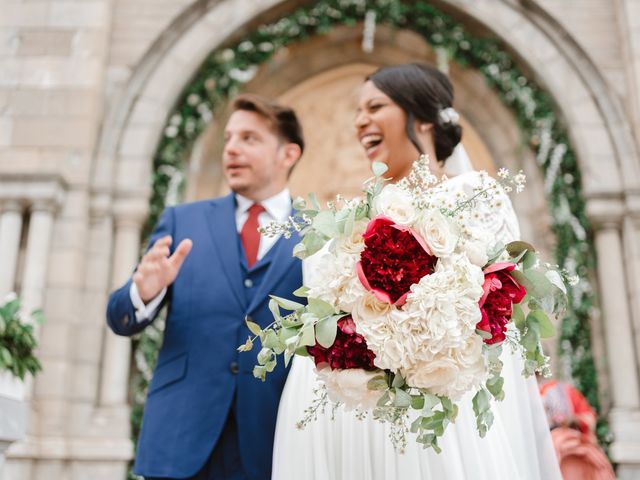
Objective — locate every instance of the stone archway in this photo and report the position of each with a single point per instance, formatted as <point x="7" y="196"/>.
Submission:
<point x="594" y="117"/>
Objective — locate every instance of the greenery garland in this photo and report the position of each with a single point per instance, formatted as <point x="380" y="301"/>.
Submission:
<point x="224" y="72"/>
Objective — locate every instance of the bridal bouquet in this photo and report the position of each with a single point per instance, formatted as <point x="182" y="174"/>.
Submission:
<point x="409" y="302"/>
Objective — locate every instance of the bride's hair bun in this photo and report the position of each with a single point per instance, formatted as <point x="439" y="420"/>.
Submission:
<point x="426" y="95"/>
<point x="447" y="132"/>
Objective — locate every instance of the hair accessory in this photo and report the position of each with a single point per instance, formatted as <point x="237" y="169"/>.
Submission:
<point x="449" y="116"/>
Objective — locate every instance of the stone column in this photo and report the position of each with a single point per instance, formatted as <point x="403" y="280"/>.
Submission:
<point x="129" y="217"/>
<point x="37" y="254"/>
<point x="607" y="216"/>
<point x="10" y="231"/>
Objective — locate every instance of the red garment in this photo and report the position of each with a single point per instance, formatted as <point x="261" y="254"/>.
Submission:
<point x="249" y="234"/>
<point x="579" y="458"/>
<point x="573" y="421"/>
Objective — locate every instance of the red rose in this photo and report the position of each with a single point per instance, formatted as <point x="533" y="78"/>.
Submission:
<point x="349" y="350"/>
<point x="501" y="291"/>
<point x="395" y="257"/>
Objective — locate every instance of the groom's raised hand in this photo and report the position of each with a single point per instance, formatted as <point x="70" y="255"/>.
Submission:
<point x="158" y="269"/>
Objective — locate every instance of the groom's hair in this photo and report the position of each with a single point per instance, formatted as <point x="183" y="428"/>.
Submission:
<point x="283" y="119"/>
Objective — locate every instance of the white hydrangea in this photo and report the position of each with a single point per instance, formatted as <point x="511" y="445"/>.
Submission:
<point x="377" y="322"/>
<point x="332" y="277"/>
<point x="452" y="372"/>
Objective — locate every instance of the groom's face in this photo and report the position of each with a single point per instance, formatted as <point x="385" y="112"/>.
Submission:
<point x="256" y="161"/>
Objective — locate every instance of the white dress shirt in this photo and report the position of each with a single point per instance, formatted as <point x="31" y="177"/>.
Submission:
<point x="277" y="208"/>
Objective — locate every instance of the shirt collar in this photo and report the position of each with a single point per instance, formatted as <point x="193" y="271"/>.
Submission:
<point x="278" y="206"/>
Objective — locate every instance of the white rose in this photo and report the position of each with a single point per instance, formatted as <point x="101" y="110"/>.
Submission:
<point x="368" y="307"/>
<point x="353" y="243"/>
<point x="395" y="203"/>
<point x="350" y="387"/>
<point x="439" y="232"/>
<point x="476" y="252"/>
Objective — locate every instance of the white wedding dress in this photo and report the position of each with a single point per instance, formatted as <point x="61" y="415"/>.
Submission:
<point x="517" y="447"/>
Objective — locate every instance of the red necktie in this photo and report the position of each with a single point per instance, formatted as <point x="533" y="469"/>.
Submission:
<point x="249" y="234"/>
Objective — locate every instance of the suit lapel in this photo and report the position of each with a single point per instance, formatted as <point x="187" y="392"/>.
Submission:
<point x="221" y="220"/>
<point x="281" y="262"/>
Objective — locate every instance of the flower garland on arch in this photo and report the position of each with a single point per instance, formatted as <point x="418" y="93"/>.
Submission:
<point x="226" y="70"/>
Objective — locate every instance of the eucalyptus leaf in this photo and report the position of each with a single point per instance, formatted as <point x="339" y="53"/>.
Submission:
<point x="325" y="224"/>
<point x="307" y="337"/>
<point x="545" y="327"/>
<point x="517" y="316"/>
<point x="287" y="357"/>
<point x="494" y="385"/>
<point x="378" y="382"/>
<point x="430" y="401"/>
<point x="264" y="356"/>
<point x="300" y="251"/>
<point x="286" y="303"/>
<point x="481" y="402"/>
<point x="534" y="282"/>
<point x="484" y="334"/>
<point x="402" y="399"/>
<point x="417" y="402"/>
<point x="415" y="425"/>
<point x="495" y="252"/>
<point x="326" y="330"/>
<point x="518" y="258"/>
<point x="253" y="327"/>
<point x="556" y="280"/>
<point x="260" y="371"/>
<point x="302" y="351"/>
<point x="314" y="201"/>
<point x="516" y="248"/>
<point x="447" y="405"/>
<point x="530" y="339"/>
<point x="299" y="203"/>
<point x="271" y="340"/>
<point x="320" y="308"/>
<point x="290" y="321"/>
<point x="384" y="399"/>
<point x="379" y="168"/>
<point x="271" y="365"/>
<point x="301" y="292"/>
<point x="529" y="260"/>
<point x="398" y="381"/>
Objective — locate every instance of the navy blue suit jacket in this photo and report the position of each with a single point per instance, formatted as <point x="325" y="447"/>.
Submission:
<point x="199" y="372"/>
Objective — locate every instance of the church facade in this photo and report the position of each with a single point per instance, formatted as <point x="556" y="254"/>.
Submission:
<point x="87" y="89"/>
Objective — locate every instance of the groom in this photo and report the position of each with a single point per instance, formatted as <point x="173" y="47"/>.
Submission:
<point x="206" y="417"/>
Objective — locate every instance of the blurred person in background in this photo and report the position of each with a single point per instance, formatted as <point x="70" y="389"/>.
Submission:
<point x="572" y="422"/>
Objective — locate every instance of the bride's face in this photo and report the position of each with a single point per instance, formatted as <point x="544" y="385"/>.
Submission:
<point x="380" y="125"/>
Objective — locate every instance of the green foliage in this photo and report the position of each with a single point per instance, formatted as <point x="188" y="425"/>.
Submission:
<point x="17" y="339"/>
<point x="223" y="72"/>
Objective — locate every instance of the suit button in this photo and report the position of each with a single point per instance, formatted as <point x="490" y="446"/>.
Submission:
<point x="125" y="320"/>
<point x="234" y="367"/>
<point x="248" y="283"/>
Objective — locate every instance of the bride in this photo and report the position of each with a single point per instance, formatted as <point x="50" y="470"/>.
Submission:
<point x="405" y="111"/>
